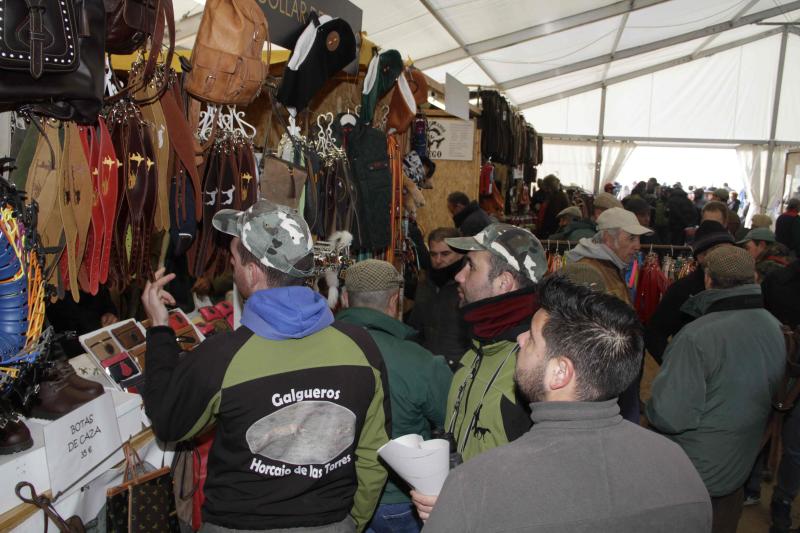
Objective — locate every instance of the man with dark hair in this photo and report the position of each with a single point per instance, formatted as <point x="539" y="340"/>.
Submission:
<point x="442" y="329"/>
<point x="468" y="216"/>
<point x="297" y="399"/>
<point x="668" y="318"/>
<point x="682" y="214"/>
<point x="555" y="201"/>
<point x="644" y="212"/>
<point x="581" y="466"/>
<point x="715" y="210"/>
<point x="714" y="392"/>
<point x="418" y="381"/>
<point x="497" y="287"/>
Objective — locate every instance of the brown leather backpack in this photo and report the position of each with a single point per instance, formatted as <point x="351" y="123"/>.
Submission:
<point x="128" y="23"/>
<point x="226" y="58"/>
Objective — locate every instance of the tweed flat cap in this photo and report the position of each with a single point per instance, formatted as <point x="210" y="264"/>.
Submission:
<point x="573" y="211"/>
<point x="731" y="262"/>
<point x="371" y="275"/>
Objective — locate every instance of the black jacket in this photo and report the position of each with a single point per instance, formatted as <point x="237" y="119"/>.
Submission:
<point x="668" y="318"/>
<point x="472" y="219"/>
<point x="442" y="329"/>
<point x="780" y="290"/>
<point x="682" y="214"/>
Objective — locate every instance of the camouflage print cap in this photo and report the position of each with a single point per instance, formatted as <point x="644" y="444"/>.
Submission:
<point x="516" y="246"/>
<point x="277" y="235"/>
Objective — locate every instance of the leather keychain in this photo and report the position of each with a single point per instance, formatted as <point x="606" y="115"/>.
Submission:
<point x="109" y="183"/>
<point x="42" y="184"/>
<point x="247" y="191"/>
<point x="67" y="264"/>
<point x="89" y="272"/>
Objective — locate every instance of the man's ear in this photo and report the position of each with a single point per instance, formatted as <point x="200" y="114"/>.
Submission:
<point x="560" y="373"/>
<point x="507" y="282"/>
<point x="707" y="280"/>
<point x="345" y="299"/>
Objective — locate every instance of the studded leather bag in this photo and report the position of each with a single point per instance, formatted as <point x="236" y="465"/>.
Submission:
<point x="51" y="57"/>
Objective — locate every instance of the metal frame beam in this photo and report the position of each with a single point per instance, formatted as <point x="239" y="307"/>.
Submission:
<point x="614" y="47"/>
<point x="736" y="17"/>
<point x="534" y="32"/>
<point x="650" y="47"/>
<point x="663" y="140"/>
<point x="649" y="70"/>
<point x="598" y="156"/>
<point x="450" y="31"/>
<point x="773" y="129"/>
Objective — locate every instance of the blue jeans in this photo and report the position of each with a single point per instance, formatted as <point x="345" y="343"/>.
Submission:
<point x="395" y="518"/>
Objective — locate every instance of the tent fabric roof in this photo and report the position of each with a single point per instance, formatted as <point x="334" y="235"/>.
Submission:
<point x="695" y="61"/>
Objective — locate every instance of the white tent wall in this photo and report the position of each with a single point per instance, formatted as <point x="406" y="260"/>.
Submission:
<point x="789" y="115"/>
<point x="579" y="114"/>
<point x="571" y="161"/>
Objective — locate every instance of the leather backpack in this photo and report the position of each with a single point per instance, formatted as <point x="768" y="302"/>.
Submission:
<point x="51" y="57"/>
<point x="226" y="58"/>
<point x="128" y="23"/>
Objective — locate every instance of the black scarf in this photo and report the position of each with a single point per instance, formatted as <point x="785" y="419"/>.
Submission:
<point x="441" y="276"/>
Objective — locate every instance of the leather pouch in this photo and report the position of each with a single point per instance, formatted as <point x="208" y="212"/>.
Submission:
<point x="128" y="335"/>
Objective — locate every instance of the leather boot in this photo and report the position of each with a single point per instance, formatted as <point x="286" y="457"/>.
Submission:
<point x="14" y="437"/>
<point x="62" y="369"/>
<point x="57" y="398"/>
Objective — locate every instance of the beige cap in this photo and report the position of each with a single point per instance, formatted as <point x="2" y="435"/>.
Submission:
<point x="618" y="218"/>
<point x="573" y="211"/>
<point x="371" y="275"/>
<point x="761" y="221"/>
<point x="605" y="200"/>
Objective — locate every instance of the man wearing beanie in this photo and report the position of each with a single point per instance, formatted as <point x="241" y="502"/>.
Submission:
<point x="713" y="394"/>
<point x="668" y="318"/>
<point x="297" y="399"/>
<point x="418" y="380"/>
<point x="497" y="285"/>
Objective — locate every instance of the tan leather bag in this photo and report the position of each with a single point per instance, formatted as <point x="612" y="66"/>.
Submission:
<point x="226" y="58"/>
<point x="282" y="182"/>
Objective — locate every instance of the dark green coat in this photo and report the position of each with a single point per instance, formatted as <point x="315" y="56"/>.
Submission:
<point x="418" y="382"/>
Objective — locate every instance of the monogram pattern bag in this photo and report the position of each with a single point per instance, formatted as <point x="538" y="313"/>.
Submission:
<point x="143" y="502"/>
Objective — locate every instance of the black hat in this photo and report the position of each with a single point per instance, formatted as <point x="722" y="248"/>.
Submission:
<point x="710" y="233"/>
<point x="325" y="47"/>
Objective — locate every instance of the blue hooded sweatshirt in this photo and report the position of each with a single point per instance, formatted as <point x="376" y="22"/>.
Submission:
<point x="286" y="313"/>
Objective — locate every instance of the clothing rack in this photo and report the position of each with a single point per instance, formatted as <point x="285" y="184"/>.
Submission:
<point x="549" y="243"/>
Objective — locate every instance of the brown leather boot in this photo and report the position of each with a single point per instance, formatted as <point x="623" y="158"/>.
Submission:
<point x="62" y="369"/>
<point x="57" y="398"/>
<point x="15" y="437"/>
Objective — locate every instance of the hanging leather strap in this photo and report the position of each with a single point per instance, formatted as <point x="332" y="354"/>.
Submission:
<point x="109" y="183"/>
<point x="89" y="271"/>
<point x="181" y="141"/>
<point x="37" y="37"/>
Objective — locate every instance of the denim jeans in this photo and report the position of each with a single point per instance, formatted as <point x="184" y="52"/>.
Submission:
<point x="395" y="518"/>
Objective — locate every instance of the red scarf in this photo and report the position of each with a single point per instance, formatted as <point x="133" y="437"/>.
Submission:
<point x="493" y="317"/>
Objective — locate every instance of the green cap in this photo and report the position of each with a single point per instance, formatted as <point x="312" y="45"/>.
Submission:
<point x="276" y="234"/>
<point x="516" y="246"/>
<point x="758" y="234"/>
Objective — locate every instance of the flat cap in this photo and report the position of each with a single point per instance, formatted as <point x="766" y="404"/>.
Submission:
<point x="731" y="262"/>
<point x="761" y="221"/>
<point x="371" y="275"/>
<point x="605" y="200"/>
<point x="573" y="211"/>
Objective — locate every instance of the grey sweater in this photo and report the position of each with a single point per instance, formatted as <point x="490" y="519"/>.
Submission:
<point x="580" y="468"/>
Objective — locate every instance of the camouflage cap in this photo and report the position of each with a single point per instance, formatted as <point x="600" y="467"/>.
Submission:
<point x="516" y="246"/>
<point x="277" y="235"/>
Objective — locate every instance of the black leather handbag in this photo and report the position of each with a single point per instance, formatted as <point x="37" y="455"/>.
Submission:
<point x="52" y="58"/>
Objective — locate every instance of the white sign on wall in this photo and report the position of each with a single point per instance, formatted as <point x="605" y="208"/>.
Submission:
<point x="450" y="138"/>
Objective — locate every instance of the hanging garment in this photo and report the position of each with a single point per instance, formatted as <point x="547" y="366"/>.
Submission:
<point x="651" y="288"/>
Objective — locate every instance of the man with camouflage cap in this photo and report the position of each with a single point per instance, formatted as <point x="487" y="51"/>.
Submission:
<point x="298" y="400"/>
<point x="497" y="287"/>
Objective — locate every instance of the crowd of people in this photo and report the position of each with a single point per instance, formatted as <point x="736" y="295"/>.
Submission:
<point x="532" y="378"/>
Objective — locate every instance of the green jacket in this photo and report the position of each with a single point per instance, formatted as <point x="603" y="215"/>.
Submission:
<point x="575" y="231"/>
<point x="501" y="419"/>
<point x="714" y="391"/>
<point x="418" y="382"/>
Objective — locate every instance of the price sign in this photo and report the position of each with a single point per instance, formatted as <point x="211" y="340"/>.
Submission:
<point x="79" y="441"/>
